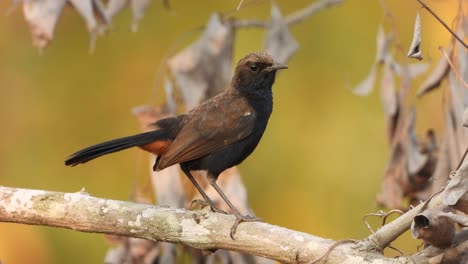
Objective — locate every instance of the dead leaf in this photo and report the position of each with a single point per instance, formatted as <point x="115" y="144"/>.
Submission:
<point x="94" y="14"/>
<point x="465" y="117"/>
<point x="433" y="229"/>
<point x="365" y="87"/>
<point x="171" y="105"/>
<point x="42" y="16"/>
<point x="456" y="218"/>
<point x="391" y="192"/>
<point x="138" y="9"/>
<point x="452" y="256"/>
<point x="279" y="42"/>
<point x="442" y="169"/>
<point x="416" y="160"/>
<point x="415" y="48"/>
<point x="204" y="68"/>
<point x="457" y="186"/>
<point x="434" y="79"/>
<point x="415" y="69"/>
<point x="133" y="250"/>
<point x="383" y="42"/>
<point x="114" y="7"/>
<point x="387" y="91"/>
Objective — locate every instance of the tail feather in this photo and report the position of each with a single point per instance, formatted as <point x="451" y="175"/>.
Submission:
<point x="112" y="146"/>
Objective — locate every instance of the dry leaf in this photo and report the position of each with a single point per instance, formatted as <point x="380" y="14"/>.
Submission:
<point x="171" y="105"/>
<point x="465" y="117"/>
<point x="456" y="218"/>
<point x="391" y="192"/>
<point x="443" y="167"/>
<point x="42" y="16"/>
<point x="383" y="42"/>
<point x="133" y="250"/>
<point x="93" y="12"/>
<point x="433" y="229"/>
<point x="278" y="41"/>
<point x="117" y="255"/>
<point x="416" y="69"/>
<point x="434" y="79"/>
<point x="416" y="160"/>
<point x="366" y="86"/>
<point x="138" y="9"/>
<point x="388" y="93"/>
<point x="415" y="49"/>
<point x="457" y="186"/>
<point x="114" y="7"/>
<point x="452" y="256"/>
<point x="204" y="68"/>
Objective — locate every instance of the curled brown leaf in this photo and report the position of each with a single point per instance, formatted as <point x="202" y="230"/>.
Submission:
<point x="433" y="229"/>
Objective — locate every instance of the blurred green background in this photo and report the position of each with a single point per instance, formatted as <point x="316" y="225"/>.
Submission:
<point x="317" y="169"/>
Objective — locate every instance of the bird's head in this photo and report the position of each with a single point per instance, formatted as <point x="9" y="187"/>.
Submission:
<point x="255" y="72"/>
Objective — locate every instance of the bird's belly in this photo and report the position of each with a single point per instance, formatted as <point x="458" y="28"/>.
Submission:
<point x="230" y="156"/>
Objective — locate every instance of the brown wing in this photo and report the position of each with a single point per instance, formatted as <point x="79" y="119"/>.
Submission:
<point x="209" y="128"/>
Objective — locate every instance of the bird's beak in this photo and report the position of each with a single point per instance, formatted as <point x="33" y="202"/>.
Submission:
<point x="275" y="67"/>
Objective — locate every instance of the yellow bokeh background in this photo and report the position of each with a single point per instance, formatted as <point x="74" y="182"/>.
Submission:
<point x="317" y="169"/>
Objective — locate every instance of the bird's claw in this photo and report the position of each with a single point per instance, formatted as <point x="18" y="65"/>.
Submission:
<point x="240" y="219"/>
<point x="203" y="204"/>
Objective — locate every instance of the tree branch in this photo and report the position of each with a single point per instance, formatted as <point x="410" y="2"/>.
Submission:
<point x="199" y="229"/>
<point x="293" y="18"/>
<point x="312" y="9"/>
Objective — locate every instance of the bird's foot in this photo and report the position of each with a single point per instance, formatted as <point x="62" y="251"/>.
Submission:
<point x="203" y="204"/>
<point x="240" y="219"/>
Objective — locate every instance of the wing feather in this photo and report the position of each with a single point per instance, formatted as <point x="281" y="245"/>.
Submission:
<point x="210" y="128"/>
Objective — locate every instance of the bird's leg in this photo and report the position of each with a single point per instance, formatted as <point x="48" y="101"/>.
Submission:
<point x="208" y="201"/>
<point x="239" y="217"/>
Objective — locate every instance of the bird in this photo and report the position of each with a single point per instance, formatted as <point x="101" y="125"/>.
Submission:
<point x="214" y="136"/>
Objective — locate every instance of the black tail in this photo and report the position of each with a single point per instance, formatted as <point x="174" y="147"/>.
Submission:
<point x="112" y="146"/>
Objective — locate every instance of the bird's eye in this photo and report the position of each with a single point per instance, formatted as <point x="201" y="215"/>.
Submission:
<point x="253" y="67"/>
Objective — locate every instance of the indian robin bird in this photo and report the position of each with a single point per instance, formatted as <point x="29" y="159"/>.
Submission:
<point x="216" y="135"/>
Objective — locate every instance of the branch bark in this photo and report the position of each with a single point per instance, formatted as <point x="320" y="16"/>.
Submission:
<point x="201" y="229"/>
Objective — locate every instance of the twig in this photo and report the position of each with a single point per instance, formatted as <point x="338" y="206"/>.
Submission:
<point x="248" y="23"/>
<point x="384" y="216"/>
<point x="240" y="4"/>
<point x="389" y="232"/>
<point x="390" y="213"/>
<point x="300" y="15"/>
<point x="293" y="18"/>
<point x="442" y="22"/>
